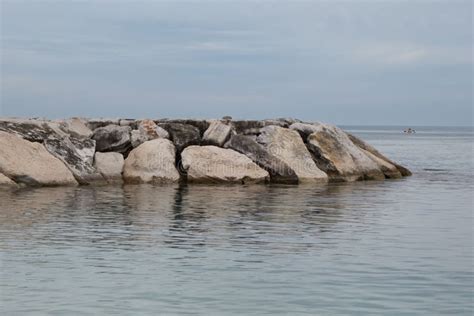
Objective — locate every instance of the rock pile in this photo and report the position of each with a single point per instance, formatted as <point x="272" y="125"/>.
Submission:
<point x="35" y="152"/>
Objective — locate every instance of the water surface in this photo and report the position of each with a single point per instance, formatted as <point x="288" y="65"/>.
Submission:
<point x="367" y="248"/>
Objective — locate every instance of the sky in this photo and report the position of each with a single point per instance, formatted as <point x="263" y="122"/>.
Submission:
<point x="352" y="62"/>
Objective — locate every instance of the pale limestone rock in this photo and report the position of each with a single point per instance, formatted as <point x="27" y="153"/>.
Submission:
<point x="76" y="127"/>
<point x="151" y="162"/>
<point x="287" y="145"/>
<point x="335" y="153"/>
<point x="110" y="165"/>
<point x="147" y="130"/>
<point x="305" y="129"/>
<point x="30" y="163"/>
<point x="217" y="133"/>
<point x="389" y="170"/>
<point x="6" y="182"/>
<point x="209" y="164"/>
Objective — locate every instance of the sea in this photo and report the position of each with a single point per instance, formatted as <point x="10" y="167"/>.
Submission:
<point x="394" y="247"/>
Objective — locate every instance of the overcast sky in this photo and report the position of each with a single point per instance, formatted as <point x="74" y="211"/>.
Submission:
<point x="352" y="62"/>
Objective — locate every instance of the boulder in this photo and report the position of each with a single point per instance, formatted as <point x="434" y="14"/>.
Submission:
<point x="279" y="171"/>
<point x="112" y="138"/>
<point x="335" y="154"/>
<point x="32" y="130"/>
<point x="182" y="135"/>
<point x="151" y="162"/>
<point x="217" y="134"/>
<point x="201" y="125"/>
<point x="363" y="145"/>
<point x="101" y="122"/>
<point x="305" y="129"/>
<point x="110" y="166"/>
<point x="211" y="164"/>
<point x="287" y="145"/>
<point x="77" y="155"/>
<point x="6" y="182"/>
<point x="75" y="127"/>
<point x="31" y="164"/>
<point x="389" y="170"/>
<point x="147" y="130"/>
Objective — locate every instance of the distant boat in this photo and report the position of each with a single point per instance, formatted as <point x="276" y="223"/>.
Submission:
<point x="409" y="131"/>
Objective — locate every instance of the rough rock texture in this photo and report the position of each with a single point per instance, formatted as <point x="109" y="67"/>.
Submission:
<point x="209" y="164"/>
<point x="252" y="127"/>
<point x="147" y="130"/>
<point x="335" y="154"/>
<point x="182" y="135"/>
<point x="279" y="171"/>
<point x="152" y="161"/>
<point x="77" y="155"/>
<point x="361" y="144"/>
<point x="30" y="163"/>
<point x="201" y="125"/>
<point x="112" y="138"/>
<point x="305" y="129"/>
<point x="32" y="130"/>
<point x="287" y="145"/>
<point x="6" y="182"/>
<point x="101" y="122"/>
<point x="110" y="166"/>
<point x="217" y="134"/>
<point x="75" y="127"/>
<point x="389" y="170"/>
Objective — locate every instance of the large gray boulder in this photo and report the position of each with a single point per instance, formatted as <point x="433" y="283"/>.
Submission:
<point x="368" y="148"/>
<point x="32" y="130"/>
<point x="211" y="164"/>
<point x="182" y="135"/>
<point x="279" y="171"/>
<point x="76" y="127"/>
<point x="77" y="155"/>
<point x="335" y="153"/>
<point x="110" y="165"/>
<point x="151" y="162"/>
<point x="95" y="123"/>
<point x="6" y="182"/>
<point x="217" y="134"/>
<point x="287" y="145"/>
<point x="112" y="138"/>
<point x="201" y="125"/>
<point x="31" y="164"/>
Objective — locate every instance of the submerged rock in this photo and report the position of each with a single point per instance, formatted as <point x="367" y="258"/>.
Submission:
<point x="211" y="164"/>
<point x="287" y="145"/>
<point x="279" y="171"/>
<point x="335" y="153"/>
<point x="110" y="165"/>
<point x="31" y="164"/>
<point x="182" y="135"/>
<point x="151" y="162"/>
<point x="77" y="155"/>
<point x="112" y="138"/>
<point x="217" y="134"/>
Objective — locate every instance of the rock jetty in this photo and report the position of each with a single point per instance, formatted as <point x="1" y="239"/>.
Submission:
<point x="78" y="151"/>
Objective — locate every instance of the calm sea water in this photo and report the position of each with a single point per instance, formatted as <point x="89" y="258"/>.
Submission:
<point x="398" y="247"/>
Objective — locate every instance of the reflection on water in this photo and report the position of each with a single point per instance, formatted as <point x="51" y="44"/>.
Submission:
<point x="398" y="246"/>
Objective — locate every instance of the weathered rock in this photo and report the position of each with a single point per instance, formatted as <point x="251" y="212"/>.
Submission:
<point x="279" y="171"/>
<point x="335" y="154"/>
<point x="101" y="122"/>
<point x="201" y="125"/>
<point x="6" y="182"/>
<point x="32" y="130"/>
<point x="305" y="129"/>
<point x="390" y="171"/>
<point x="217" y="134"/>
<point x="151" y="162"/>
<point x="77" y="155"/>
<point x="112" y="138"/>
<point x="129" y="122"/>
<point x="287" y="145"/>
<point x="363" y="145"/>
<point x="182" y="135"/>
<point x="76" y="127"/>
<point x="211" y="164"/>
<point x="147" y="130"/>
<point x="110" y="166"/>
<point x="30" y="163"/>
